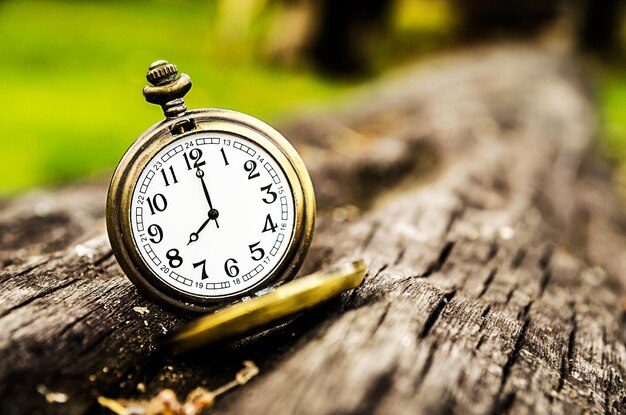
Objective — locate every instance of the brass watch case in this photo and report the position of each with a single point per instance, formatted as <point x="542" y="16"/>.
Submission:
<point x="141" y="153"/>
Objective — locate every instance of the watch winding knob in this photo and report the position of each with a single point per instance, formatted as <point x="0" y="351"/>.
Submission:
<point x="161" y="72"/>
<point x="168" y="88"/>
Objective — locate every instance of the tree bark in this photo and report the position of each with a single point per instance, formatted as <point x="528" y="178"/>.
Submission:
<point x="496" y="254"/>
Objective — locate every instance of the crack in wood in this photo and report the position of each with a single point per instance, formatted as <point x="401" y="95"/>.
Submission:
<point x="487" y="282"/>
<point x="493" y="251"/>
<point x="38" y="296"/>
<point x="382" y="317"/>
<point x="454" y="216"/>
<point x="419" y="379"/>
<point x="512" y="358"/>
<point x="103" y="258"/>
<point x="356" y="298"/>
<point x="544" y="259"/>
<point x="434" y="315"/>
<point x="483" y="317"/>
<point x="438" y="264"/>
<point x="567" y="358"/>
<point x="546" y="275"/>
<point x="479" y="343"/>
<point x="376" y="392"/>
<point x="351" y="301"/>
<point x="400" y="255"/>
<point x="25" y="271"/>
<point x="505" y="405"/>
<point x="523" y="314"/>
<point x="483" y="320"/>
<point x="381" y="269"/>
<point x="509" y="294"/>
<point x="518" y="258"/>
<point x="370" y="236"/>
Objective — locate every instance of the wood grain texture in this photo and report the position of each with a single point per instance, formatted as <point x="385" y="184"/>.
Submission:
<point x="496" y="254"/>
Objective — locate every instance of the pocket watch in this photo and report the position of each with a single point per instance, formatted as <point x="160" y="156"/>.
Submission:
<point x="208" y="205"/>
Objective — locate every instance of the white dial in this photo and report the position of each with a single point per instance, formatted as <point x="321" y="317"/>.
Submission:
<point x="212" y="214"/>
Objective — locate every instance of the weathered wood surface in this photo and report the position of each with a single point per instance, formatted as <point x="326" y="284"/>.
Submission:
<point x="496" y="254"/>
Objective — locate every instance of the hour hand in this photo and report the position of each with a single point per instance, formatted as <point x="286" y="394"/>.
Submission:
<point x="193" y="237"/>
<point x="213" y="214"/>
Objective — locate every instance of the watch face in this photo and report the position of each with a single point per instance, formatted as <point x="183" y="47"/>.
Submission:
<point x="212" y="214"/>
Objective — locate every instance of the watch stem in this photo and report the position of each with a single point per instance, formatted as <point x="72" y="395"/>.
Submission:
<point x="168" y="89"/>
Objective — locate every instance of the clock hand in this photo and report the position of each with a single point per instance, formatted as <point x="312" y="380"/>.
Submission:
<point x="212" y="211"/>
<point x="194" y="235"/>
<point x="213" y="214"/>
<point x="200" y="175"/>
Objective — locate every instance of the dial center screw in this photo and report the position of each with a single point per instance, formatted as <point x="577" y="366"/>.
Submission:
<point x="213" y="214"/>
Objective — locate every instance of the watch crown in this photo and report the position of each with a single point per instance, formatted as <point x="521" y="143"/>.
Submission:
<point x="161" y="72"/>
<point x="168" y="88"/>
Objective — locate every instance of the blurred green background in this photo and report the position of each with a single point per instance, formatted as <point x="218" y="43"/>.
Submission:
<point x="72" y="72"/>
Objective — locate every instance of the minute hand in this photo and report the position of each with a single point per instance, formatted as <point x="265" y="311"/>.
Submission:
<point x="212" y="212"/>
<point x="200" y="175"/>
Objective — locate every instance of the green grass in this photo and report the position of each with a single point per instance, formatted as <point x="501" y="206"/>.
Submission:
<point x="613" y="111"/>
<point x="72" y="75"/>
<point x="612" y="107"/>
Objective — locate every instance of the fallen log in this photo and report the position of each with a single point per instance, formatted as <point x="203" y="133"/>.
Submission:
<point x="495" y="246"/>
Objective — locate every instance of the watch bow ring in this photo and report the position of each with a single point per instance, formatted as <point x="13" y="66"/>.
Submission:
<point x="208" y="205"/>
